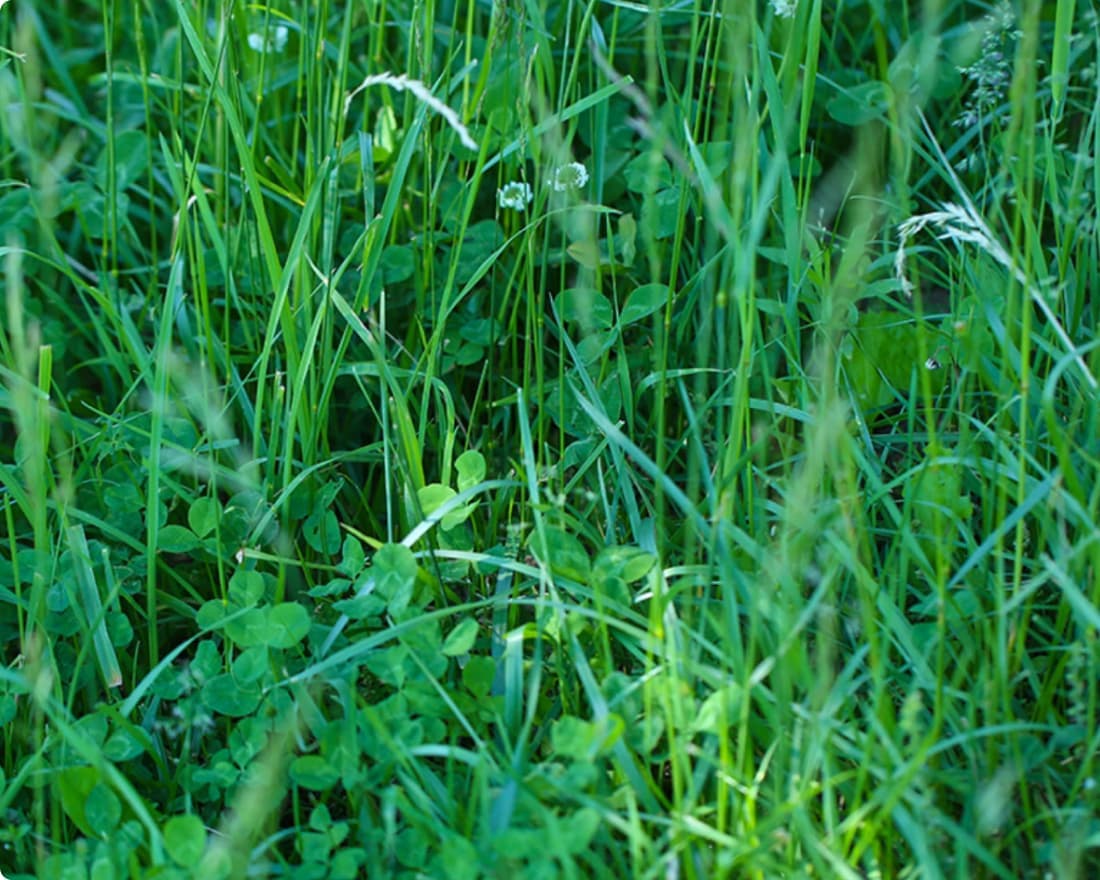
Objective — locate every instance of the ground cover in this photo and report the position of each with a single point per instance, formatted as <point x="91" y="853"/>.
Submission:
<point x="549" y="440"/>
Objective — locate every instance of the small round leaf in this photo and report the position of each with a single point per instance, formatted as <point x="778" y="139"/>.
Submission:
<point x="185" y="839"/>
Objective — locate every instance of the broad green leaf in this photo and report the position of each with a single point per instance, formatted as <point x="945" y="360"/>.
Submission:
<point x="662" y="212"/>
<point x="250" y="665"/>
<point x="470" y="467"/>
<point x="458" y="859"/>
<point x="718" y="156"/>
<point x="225" y="696"/>
<point x="322" y="532"/>
<point x="347" y="864"/>
<point x="130" y="158"/>
<point x="478" y="675"/>
<point x="461" y="638"/>
<point x="185" y="839"/>
<point x="643" y="302"/>
<point x="719" y="710"/>
<point x="203" y="516"/>
<point x="435" y="495"/>
<point x="425" y="640"/>
<point x="860" y="104"/>
<point x="481" y="241"/>
<point x="211" y="613"/>
<point x="588" y="253"/>
<point x="122" y="746"/>
<point x="103" y="810"/>
<point x="629" y="563"/>
<point x="177" y="539"/>
<point x="389" y="665"/>
<point x="287" y="624"/>
<point x="648" y="173"/>
<point x="208" y="660"/>
<point x="395" y="571"/>
<point x="481" y="332"/>
<point x="313" y="772"/>
<point x="358" y="607"/>
<point x="562" y="553"/>
<point x="320" y="819"/>
<point x="246" y="588"/>
<point x="216" y="864"/>
<point x="251" y="628"/>
<point x="577" y="830"/>
<point x="398" y="263"/>
<point x="119" y="629"/>
<point x="74" y="785"/>
<point x="883" y="354"/>
<point x="568" y="414"/>
<point x="586" y="307"/>
<point x="582" y="740"/>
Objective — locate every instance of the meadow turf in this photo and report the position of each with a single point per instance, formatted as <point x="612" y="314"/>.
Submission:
<point x="541" y="439"/>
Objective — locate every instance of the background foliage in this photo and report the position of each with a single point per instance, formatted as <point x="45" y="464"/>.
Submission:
<point x="549" y="439"/>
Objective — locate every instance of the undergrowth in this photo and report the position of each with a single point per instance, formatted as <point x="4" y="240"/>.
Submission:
<point x="549" y="440"/>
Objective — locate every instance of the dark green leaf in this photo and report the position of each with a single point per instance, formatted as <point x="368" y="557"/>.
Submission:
<point x="586" y="307"/>
<point x="250" y="665"/>
<point x="359" y="607"/>
<point x="478" y="675"/>
<point x="562" y="553"/>
<point x="185" y="839"/>
<point x="225" y="696"/>
<point x="203" y="516"/>
<point x="322" y="531"/>
<point x="860" y="104"/>
<point x="313" y="772"/>
<point x="648" y="173"/>
<point x="103" y="810"/>
<point x="398" y="263"/>
<point x="395" y="572"/>
<point x="644" y="301"/>
<point x="287" y="624"/>
<point x="251" y="628"/>
<point x="176" y="539"/>
<point x="352" y="557"/>
<point x="246" y="588"/>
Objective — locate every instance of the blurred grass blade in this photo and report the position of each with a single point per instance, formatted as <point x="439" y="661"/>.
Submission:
<point x="1059" y="61"/>
<point x="90" y="601"/>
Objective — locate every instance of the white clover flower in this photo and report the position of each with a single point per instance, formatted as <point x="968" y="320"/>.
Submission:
<point x="784" y="8"/>
<point x="516" y="195"/>
<point x="272" y="41"/>
<point x="570" y="176"/>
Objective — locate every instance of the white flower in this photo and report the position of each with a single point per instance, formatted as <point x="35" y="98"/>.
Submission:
<point x="571" y="176"/>
<point x="516" y="195"/>
<point x="784" y="8"/>
<point x="272" y="41"/>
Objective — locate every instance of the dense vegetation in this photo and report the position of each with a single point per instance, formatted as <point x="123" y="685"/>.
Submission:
<point x="549" y="439"/>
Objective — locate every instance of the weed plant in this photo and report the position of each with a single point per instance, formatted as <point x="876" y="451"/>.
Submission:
<point x="549" y="439"/>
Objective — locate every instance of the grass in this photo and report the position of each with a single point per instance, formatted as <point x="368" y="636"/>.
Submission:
<point x="549" y="440"/>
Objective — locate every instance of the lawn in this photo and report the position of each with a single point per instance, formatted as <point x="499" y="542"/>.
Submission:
<point x="546" y="439"/>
